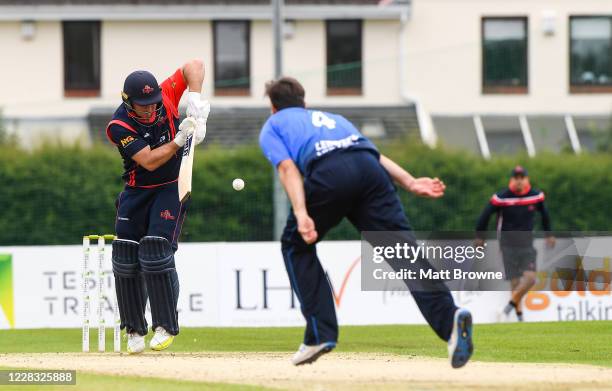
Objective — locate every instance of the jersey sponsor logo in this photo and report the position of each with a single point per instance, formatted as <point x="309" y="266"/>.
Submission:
<point x="163" y="138"/>
<point x="324" y="146"/>
<point x="147" y="89"/>
<point x="127" y="141"/>
<point x="166" y="215"/>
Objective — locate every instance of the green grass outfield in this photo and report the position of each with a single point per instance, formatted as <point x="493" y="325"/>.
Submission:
<point x="554" y="342"/>
<point x="558" y="342"/>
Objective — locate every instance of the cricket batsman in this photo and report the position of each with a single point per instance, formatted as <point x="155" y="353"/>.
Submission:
<point x="516" y="207"/>
<point x="146" y="130"/>
<point x="331" y="171"/>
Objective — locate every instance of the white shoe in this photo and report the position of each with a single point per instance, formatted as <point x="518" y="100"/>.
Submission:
<point x="161" y="340"/>
<point x="135" y="343"/>
<point x="308" y="354"/>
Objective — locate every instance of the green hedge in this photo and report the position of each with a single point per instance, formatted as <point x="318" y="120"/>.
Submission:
<point x="56" y="194"/>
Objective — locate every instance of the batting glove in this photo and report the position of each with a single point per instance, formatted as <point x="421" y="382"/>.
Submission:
<point x="186" y="129"/>
<point x="200" y="131"/>
<point x="196" y="107"/>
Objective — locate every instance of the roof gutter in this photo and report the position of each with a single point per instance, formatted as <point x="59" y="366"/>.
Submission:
<point x="197" y="12"/>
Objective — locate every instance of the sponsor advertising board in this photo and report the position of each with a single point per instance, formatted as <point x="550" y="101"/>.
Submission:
<point x="245" y="284"/>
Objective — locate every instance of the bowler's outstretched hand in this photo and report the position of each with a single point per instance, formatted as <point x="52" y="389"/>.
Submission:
<point x="428" y="187"/>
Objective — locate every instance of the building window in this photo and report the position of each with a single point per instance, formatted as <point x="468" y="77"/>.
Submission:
<point x="591" y="54"/>
<point x="504" y="55"/>
<point x="232" y="57"/>
<point x="344" y="62"/>
<point x="81" y="59"/>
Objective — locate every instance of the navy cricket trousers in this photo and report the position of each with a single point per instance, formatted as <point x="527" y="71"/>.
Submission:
<point x="152" y="212"/>
<point x="352" y="184"/>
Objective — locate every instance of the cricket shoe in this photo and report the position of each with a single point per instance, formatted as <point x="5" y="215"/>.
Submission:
<point x="161" y="339"/>
<point x="135" y="343"/>
<point x="460" y="346"/>
<point x="307" y="354"/>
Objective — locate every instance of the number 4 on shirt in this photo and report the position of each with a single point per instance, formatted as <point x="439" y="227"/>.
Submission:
<point x="319" y="119"/>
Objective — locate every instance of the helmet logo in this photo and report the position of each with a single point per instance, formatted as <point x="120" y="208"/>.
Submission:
<point x="147" y="89"/>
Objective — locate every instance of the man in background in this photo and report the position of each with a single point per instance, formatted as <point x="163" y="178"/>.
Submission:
<point x="516" y="207"/>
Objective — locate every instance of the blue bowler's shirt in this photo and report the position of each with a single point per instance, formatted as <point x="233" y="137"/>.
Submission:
<point x="306" y="135"/>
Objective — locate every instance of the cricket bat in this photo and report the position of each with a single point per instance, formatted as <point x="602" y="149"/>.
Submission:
<point x="184" y="178"/>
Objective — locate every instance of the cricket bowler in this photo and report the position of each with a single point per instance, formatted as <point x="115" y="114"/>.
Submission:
<point x="331" y="171"/>
<point x="145" y="128"/>
<point x="516" y="207"/>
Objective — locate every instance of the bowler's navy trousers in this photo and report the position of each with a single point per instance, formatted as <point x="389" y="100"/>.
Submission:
<point x="353" y="184"/>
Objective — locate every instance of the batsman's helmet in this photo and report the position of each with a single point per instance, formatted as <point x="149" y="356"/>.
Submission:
<point x="141" y="88"/>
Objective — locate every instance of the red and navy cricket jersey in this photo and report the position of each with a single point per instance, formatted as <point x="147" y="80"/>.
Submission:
<point x="515" y="213"/>
<point x="130" y="137"/>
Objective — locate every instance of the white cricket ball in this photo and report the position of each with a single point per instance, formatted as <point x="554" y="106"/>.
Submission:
<point x="238" y="184"/>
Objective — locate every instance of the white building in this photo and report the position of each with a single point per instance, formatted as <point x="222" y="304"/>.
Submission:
<point x="491" y="76"/>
